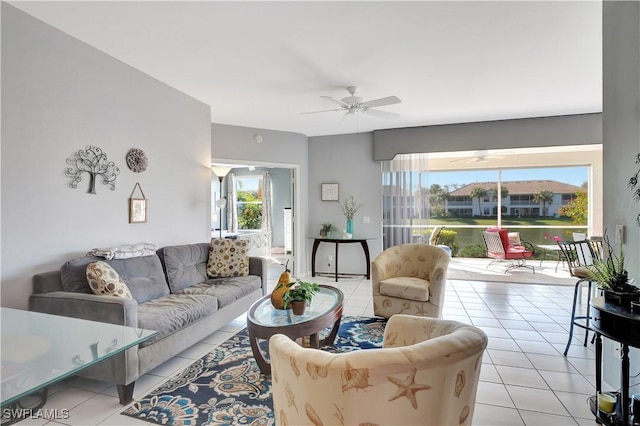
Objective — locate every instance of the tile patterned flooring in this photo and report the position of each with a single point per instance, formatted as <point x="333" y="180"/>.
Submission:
<point x="524" y="380"/>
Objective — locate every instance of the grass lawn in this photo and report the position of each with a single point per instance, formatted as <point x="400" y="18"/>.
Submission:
<point x="490" y="221"/>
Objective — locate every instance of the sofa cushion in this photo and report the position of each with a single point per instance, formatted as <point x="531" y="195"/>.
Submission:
<point x="103" y="279"/>
<point x="173" y="312"/>
<point x="228" y="258"/>
<point x="406" y="288"/>
<point x="73" y="274"/>
<point x="185" y="265"/>
<point x="226" y="290"/>
<point x="143" y="275"/>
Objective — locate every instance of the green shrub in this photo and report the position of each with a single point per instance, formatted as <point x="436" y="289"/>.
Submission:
<point x="250" y="216"/>
<point x="474" y="250"/>
<point x="448" y="238"/>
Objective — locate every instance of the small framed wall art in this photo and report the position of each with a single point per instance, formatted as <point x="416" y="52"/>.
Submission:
<point x="330" y="192"/>
<point x="137" y="207"/>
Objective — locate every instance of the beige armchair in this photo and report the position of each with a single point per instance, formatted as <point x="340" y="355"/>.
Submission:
<point x="426" y="374"/>
<point x="409" y="279"/>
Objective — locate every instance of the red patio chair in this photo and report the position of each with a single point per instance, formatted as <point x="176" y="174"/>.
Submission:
<point x="503" y="247"/>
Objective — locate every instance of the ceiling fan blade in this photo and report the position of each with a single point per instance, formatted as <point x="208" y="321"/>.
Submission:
<point x="459" y="159"/>
<point x="325" y="110"/>
<point x="380" y="114"/>
<point x="389" y="100"/>
<point x="339" y="102"/>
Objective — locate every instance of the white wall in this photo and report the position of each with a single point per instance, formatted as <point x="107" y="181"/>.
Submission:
<point x="348" y="161"/>
<point x="236" y="145"/>
<point x="59" y="95"/>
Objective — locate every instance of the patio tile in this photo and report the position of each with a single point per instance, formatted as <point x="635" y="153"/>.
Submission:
<point x="521" y="377"/>
<point x="551" y="363"/>
<point x="490" y="415"/>
<point x="509" y="358"/>
<point x="534" y="418"/>
<point x="493" y="394"/>
<point x="541" y="400"/>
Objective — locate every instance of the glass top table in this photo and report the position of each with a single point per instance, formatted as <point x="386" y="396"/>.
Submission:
<point x="263" y="321"/>
<point x="40" y="349"/>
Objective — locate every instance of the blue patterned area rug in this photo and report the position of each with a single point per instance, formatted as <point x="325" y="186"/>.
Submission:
<point x="225" y="387"/>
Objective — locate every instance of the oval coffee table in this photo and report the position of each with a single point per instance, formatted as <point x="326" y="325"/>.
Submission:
<point x="263" y="321"/>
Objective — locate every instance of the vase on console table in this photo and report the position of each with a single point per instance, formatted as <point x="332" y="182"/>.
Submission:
<point x="349" y="229"/>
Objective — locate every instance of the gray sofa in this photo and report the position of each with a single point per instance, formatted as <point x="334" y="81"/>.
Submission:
<point x="171" y="294"/>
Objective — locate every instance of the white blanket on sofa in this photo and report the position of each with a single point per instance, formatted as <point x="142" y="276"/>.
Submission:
<point x="124" y="251"/>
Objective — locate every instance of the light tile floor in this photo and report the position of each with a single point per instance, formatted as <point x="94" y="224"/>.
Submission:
<point x="524" y="380"/>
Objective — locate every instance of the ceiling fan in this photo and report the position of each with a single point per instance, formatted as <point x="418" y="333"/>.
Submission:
<point x="479" y="157"/>
<point x="354" y="104"/>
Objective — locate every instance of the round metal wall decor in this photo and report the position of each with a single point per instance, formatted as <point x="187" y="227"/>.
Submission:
<point x="137" y="160"/>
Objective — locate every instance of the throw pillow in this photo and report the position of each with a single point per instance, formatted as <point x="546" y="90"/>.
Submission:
<point x="514" y="239"/>
<point x="228" y="258"/>
<point x="103" y="279"/>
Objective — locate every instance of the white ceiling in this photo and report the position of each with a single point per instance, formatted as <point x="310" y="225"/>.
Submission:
<point x="260" y="64"/>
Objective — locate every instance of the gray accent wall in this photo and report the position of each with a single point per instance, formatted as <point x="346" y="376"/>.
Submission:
<point x="564" y="130"/>
<point x="621" y="144"/>
<point x="60" y="95"/>
<point x="348" y="161"/>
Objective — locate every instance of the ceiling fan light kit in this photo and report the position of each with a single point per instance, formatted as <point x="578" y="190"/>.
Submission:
<point x="355" y="104"/>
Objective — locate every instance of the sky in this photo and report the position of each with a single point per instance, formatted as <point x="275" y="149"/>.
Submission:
<point x="571" y="175"/>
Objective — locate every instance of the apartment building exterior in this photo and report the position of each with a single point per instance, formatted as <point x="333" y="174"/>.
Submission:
<point x="520" y="200"/>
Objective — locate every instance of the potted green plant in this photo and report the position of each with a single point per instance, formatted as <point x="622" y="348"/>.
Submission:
<point x="326" y="229"/>
<point x="610" y="274"/>
<point x="298" y="295"/>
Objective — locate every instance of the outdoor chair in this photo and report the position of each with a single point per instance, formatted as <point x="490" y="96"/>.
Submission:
<point x="426" y="373"/>
<point x="578" y="255"/>
<point x="505" y="246"/>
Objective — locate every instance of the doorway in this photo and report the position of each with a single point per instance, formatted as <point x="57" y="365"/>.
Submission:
<point x="277" y="245"/>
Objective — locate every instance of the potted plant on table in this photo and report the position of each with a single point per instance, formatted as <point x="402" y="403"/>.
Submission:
<point x="298" y="296"/>
<point x="326" y="229"/>
<point x="610" y="274"/>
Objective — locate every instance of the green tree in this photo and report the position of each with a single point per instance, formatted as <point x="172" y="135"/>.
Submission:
<point x="249" y="209"/>
<point x="250" y="216"/>
<point x="479" y="193"/>
<point x="503" y="189"/>
<point x="437" y="197"/>
<point x="577" y="209"/>
<point x="545" y="197"/>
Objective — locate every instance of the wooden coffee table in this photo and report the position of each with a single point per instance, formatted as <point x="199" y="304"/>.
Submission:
<point x="263" y="321"/>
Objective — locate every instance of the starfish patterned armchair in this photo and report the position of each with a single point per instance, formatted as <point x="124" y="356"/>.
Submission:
<point x="426" y="373"/>
<point x="409" y="279"/>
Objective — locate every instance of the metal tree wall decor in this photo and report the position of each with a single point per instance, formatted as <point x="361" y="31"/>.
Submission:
<point x="633" y="184"/>
<point x="93" y="161"/>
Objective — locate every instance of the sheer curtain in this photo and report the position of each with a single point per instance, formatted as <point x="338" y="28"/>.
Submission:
<point x="232" y="204"/>
<point x="267" y="219"/>
<point x="405" y="199"/>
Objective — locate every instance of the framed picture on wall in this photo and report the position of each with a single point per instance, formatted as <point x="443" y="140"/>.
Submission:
<point x="330" y="192"/>
<point x="137" y="210"/>
<point x="137" y="206"/>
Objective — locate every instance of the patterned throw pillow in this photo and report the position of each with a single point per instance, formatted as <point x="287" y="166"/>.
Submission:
<point x="103" y="279"/>
<point x="228" y="258"/>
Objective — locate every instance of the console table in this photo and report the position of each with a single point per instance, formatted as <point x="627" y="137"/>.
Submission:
<point x="337" y="242"/>
<point x="623" y="326"/>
